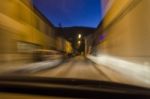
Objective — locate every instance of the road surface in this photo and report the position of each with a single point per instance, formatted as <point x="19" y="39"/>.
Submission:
<point x="91" y="68"/>
<point x="78" y="67"/>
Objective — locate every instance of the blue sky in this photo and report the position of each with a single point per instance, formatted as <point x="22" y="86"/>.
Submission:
<point x="71" y="12"/>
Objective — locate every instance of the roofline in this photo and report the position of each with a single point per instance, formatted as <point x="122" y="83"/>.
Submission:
<point x="38" y="12"/>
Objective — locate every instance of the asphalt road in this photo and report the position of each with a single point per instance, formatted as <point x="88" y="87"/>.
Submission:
<point x="83" y="68"/>
<point x="102" y="68"/>
<point x="78" y="67"/>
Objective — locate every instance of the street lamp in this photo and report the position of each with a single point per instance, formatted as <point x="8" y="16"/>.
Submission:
<point x="79" y="36"/>
<point x="79" y="42"/>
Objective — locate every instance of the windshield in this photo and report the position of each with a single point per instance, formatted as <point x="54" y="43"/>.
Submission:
<point x="104" y="40"/>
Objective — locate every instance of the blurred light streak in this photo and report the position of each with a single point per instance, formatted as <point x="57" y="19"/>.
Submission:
<point x="131" y="70"/>
<point x="31" y="67"/>
<point x="34" y="67"/>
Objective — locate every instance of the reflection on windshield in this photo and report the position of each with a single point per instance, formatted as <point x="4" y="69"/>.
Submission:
<point x="116" y="49"/>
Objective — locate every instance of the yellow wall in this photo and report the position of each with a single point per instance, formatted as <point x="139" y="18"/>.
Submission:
<point x="129" y="36"/>
<point x="19" y="19"/>
<point x="117" y="6"/>
<point x="20" y="22"/>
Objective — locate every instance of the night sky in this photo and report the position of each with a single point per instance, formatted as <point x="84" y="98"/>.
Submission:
<point x="71" y="12"/>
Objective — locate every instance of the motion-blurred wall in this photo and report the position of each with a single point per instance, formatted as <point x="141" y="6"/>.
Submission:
<point x="63" y="45"/>
<point x="125" y="29"/>
<point x="23" y="29"/>
<point x="127" y="32"/>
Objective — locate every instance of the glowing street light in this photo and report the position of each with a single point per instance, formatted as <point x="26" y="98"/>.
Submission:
<point x="79" y="36"/>
<point x="79" y="42"/>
